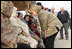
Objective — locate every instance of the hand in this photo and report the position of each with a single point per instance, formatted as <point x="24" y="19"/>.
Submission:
<point x="46" y="31"/>
<point x="13" y="41"/>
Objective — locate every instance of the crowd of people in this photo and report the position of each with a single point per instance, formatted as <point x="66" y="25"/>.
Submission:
<point x="37" y="29"/>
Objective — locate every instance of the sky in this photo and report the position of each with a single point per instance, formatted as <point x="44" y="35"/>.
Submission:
<point x="57" y="5"/>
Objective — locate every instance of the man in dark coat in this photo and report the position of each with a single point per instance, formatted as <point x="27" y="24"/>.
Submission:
<point x="63" y="16"/>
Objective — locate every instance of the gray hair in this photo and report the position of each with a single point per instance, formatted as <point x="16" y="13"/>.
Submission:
<point x="35" y="8"/>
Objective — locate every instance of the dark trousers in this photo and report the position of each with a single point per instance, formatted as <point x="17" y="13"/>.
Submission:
<point x="22" y="45"/>
<point x="69" y="24"/>
<point x="65" y="26"/>
<point x="49" y="41"/>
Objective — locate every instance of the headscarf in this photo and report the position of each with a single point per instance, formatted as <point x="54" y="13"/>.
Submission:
<point x="22" y="17"/>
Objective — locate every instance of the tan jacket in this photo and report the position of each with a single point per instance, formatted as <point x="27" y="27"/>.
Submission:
<point x="48" y="21"/>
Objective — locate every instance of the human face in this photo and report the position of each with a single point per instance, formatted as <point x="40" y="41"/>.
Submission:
<point x="34" y="13"/>
<point x="26" y="18"/>
<point x="62" y="9"/>
<point x="53" y="9"/>
<point x="20" y="17"/>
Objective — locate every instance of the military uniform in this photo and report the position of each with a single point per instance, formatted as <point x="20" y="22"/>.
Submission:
<point x="8" y="32"/>
<point x="25" y="35"/>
